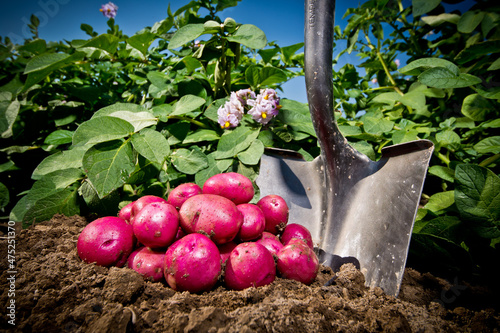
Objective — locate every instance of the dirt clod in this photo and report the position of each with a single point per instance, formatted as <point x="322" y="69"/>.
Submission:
<point x="57" y="292"/>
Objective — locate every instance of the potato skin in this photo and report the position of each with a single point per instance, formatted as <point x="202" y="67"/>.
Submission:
<point x="232" y="185"/>
<point x="147" y="262"/>
<point x="297" y="261"/>
<point x="213" y="215"/>
<point x="192" y="263"/>
<point x="156" y="224"/>
<point x="181" y="193"/>
<point x="249" y="265"/>
<point x="107" y="241"/>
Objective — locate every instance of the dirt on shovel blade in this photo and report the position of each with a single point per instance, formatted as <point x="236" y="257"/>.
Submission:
<point x="56" y="292"/>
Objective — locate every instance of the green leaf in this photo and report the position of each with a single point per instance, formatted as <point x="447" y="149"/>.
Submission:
<point x="418" y="66"/>
<point x="250" y="36"/>
<point x="214" y="167"/>
<point x="152" y="145"/>
<point x="488" y="145"/>
<point x="189" y="161"/>
<point x="251" y="156"/>
<point x="448" y="138"/>
<point x="186" y="104"/>
<point x="106" y="111"/>
<point x="36" y="46"/>
<point x="108" y="165"/>
<point x="105" y="42"/>
<point x="106" y="206"/>
<point x="476" y="107"/>
<point x="297" y="116"/>
<point x="59" y="137"/>
<point x="348" y="130"/>
<point x="442" y="172"/>
<point x="159" y="79"/>
<point x="200" y="136"/>
<point x="469" y="21"/>
<point x="495" y="65"/>
<point x="66" y="159"/>
<point x="8" y="114"/>
<point x="41" y="66"/>
<point x="406" y="135"/>
<point x="163" y="26"/>
<point x="64" y="202"/>
<point x="477" y="196"/>
<point x="373" y="125"/>
<point x="288" y="51"/>
<point x="186" y="34"/>
<point x="414" y="99"/>
<point x="445" y="227"/>
<point x="139" y="120"/>
<point x="364" y="148"/>
<point x="420" y="7"/>
<point x="48" y="185"/>
<point x="101" y="129"/>
<point x="234" y="141"/>
<point x="435" y="20"/>
<point x="268" y="54"/>
<point x="475" y="51"/>
<point x="440" y="201"/>
<point x="4" y="196"/>
<point x="271" y="75"/>
<point x="142" y="41"/>
<point x="439" y="77"/>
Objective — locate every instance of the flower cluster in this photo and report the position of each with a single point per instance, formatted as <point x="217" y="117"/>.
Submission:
<point x="262" y="107"/>
<point x="109" y="10"/>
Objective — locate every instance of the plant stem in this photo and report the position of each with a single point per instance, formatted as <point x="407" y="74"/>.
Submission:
<point x="388" y="73"/>
<point x="192" y="121"/>
<point x="489" y="160"/>
<point x="444" y="158"/>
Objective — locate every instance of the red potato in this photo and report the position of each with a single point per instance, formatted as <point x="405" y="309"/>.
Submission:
<point x="249" y="265"/>
<point x="233" y="186"/>
<point x="180" y="233"/>
<point x="225" y="251"/>
<point x="271" y="242"/>
<point x="143" y="201"/>
<point x="213" y="215"/>
<point x="295" y="230"/>
<point x="192" y="264"/>
<point x="275" y="210"/>
<point x="297" y="261"/>
<point x="126" y="211"/>
<point x="181" y="193"/>
<point x="254" y="222"/>
<point x="147" y="262"/>
<point x="107" y="241"/>
<point x="156" y="225"/>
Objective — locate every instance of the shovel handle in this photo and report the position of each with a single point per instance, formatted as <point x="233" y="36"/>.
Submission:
<point x="318" y="53"/>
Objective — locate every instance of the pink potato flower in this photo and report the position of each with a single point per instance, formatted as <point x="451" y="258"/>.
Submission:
<point x="265" y="106"/>
<point x="109" y="10"/>
<point x="230" y="114"/>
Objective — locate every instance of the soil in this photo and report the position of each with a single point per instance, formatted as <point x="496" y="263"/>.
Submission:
<point x="56" y="292"/>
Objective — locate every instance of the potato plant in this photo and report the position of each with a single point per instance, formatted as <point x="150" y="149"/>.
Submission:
<point x="91" y="125"/>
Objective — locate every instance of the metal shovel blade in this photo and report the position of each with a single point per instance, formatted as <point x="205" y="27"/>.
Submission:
<point x="357" y="210"/>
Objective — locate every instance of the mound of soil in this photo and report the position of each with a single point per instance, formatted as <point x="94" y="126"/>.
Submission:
<point x="56" y="292"/>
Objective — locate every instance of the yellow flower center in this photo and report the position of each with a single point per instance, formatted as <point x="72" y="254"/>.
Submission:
<point x="264" y="115"/>
<point x="227" y="124"/>
<point x="266" y="97"/>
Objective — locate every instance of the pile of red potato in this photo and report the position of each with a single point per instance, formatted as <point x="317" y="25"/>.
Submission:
<point x="201" y="235"/>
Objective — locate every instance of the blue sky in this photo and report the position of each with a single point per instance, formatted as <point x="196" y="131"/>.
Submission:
<point x="281" y="21"/>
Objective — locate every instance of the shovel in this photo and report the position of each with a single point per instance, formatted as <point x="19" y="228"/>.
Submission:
<point x="358" y="210"/>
